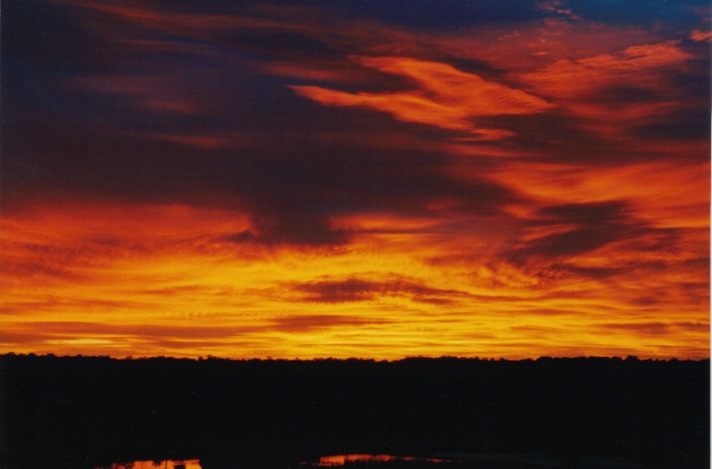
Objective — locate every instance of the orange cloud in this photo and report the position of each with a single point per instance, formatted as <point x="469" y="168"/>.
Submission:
<point x="683" y="203"/>
<point x="701" y="36"/>
<point x="614" y="90"/>
<point x="639" y="65"/>
<point x="445" y="97"/>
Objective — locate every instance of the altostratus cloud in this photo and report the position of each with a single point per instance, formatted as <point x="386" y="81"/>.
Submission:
<point x="443" y="96"/>
<point x="584" y="86"/>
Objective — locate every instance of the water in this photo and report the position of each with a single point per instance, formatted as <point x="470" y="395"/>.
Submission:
<point x="324" y="461"/>
<point x="343" y="459"/>
<point x="469" y="460"/>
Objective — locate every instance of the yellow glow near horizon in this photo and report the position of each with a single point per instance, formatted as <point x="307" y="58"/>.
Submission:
<point x="406" y="291"/>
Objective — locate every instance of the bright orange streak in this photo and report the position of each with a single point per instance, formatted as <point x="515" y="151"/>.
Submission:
<point x="445" y="97"/>
<point x="456" y="88"/>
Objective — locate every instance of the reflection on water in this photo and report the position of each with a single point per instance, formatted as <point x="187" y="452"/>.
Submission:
<point x="343" y="459"/>
<point x="167" y="464"/>
<point x="450" y="460"/>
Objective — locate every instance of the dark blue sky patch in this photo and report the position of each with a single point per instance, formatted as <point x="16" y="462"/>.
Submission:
<point x="640" y="12"/>
<point x="435" y="15"/>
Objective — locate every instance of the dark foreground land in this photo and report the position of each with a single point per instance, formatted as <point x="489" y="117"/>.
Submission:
<point x="82" y="412"/>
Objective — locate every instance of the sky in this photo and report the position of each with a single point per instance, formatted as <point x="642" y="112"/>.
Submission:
<point x="361" y="178"/>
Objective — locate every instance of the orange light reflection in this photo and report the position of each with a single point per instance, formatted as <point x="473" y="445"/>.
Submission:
<point x="166" y="464"/>
<point x="343" y="459"/>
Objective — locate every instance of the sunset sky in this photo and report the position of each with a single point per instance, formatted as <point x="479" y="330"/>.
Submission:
<point x="355" y="178"/>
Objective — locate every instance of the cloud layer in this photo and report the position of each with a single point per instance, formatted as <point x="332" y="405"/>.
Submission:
<point x="372" y="179"/>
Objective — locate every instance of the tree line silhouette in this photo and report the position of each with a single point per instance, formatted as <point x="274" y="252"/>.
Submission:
<point x="83" y="412"/>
